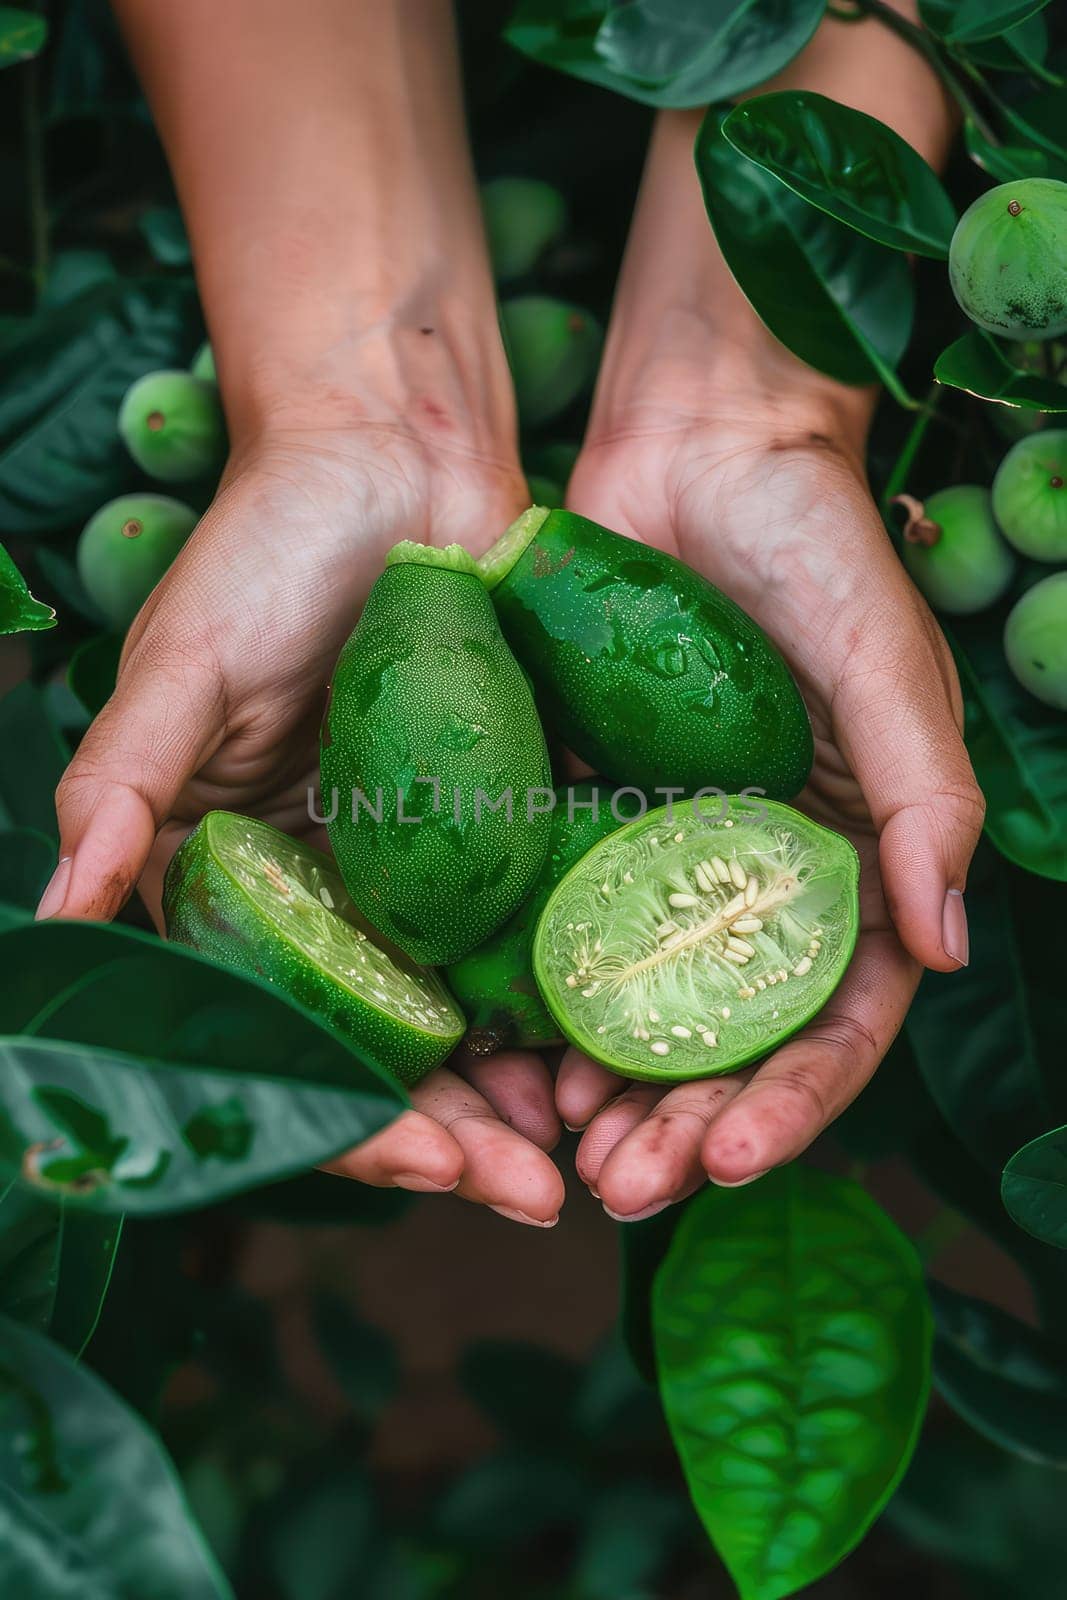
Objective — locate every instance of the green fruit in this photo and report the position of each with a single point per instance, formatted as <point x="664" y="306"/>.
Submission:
<point x="431" y="723"/>
<point x="1008" y="259"/>
<point x="173" y="427"/>
<point x="553" y="349"/>
<point x="545" y="491"/>
<point x="251" y="898"/>
<point x="495" y="984"/>
<point x="203" y="364"/>
<point x="127" y="546"/>
<point x="523" y="216"/>
<point x="1048" y="358"/>
<point x="698" y="938"/>
<point x="1035" y="640"/>
<point x="1030" y="495"/>
<point x="954" y="552"/>
<point x="641" y="666"/>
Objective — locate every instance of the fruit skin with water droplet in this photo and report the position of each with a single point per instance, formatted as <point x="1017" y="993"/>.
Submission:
<point x="427" y="689"/>
<point x="495" y="983"/>
<point x="523" y="216"/>
<point x="173" y="427"/>
<point x="1007" y="261"/>
<point x="127" y="546"/>
<point x="960" y="563"/>
<point x="626" y="941"/>
<point x="207" y="906"/>
<point x="651" y="674"/>
<point x="1035" y="640"/>
<point x="553" y="349"/>
<point x="1030" y="495"/>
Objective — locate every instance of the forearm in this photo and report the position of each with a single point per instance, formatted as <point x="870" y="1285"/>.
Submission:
<point x="322" y="165"/>
<point x="678" y="308"/>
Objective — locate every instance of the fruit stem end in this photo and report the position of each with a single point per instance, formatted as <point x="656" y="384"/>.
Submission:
<point x="499" y="559"/>
<point x="919" y="528"/>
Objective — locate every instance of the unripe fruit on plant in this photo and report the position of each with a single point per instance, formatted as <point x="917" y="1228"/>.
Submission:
<point x="127" y="546"/>
<point x="553" y="349"/>
<point x="1035" y="640"/>
<point x="1030" y="495"/>
<point x="1007" y="262"/>
<point x="523" y="216"/>
<point x="203" y="364"/>
<point x="953" y="549"/>
<point x="1048" y="357"/>
<point x="173" y="427"/>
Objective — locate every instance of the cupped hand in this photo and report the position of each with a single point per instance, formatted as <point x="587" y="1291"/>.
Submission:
<point x="219" y="697"/>
<point x="773" y="507"/>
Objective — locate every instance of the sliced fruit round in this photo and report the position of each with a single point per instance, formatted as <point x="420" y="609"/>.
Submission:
<point x="553" y="348"/>
<point x="173" y="427"/>
<point x="254" y="899"/>
<point x="127" y="546"/>
<point x="523" y="216"/>
<point x="1007" y="261"/>
<point x="1030" y="495"/>
<point x="954" y="551"/>
<point x="1035" y="640"/>
<point x="698" y="938"/>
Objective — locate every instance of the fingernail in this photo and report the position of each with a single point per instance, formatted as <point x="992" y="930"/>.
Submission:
<point x="576" y="1127"/>
<point x="56" y="892"/>
<point x="520" y="1216"/>
<point x="738" y="1183"/>
<point x="637" y="1216"/>
<point x="954" y="935"/>
<point x="421" y="1185"/>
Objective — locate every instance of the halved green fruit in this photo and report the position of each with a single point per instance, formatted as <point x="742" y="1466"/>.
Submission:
<point x="698" y="938"/>
<point x="253" y="899"/>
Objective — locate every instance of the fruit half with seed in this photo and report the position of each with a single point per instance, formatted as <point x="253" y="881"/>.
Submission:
<point x="1030" y="495"/>
<point x="172" y="425"/>
<point x="127" y="546"/>
<point x="254" y="899"/>
<point x="1007" y="261"/>
<point x="698" y="938"/>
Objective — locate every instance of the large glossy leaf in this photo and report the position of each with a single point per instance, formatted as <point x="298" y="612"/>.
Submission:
<point x="838" y="301"/>
<point x="35" y="755"/>
<point x="1007" y="1379"/>
<point x="27" y="861"/>
<point x="55" y="1265"/>
<point x="1034" y="1187"/>
<point x="90" y="1508"/>
<point x="980" y="366"/>
<point x="93" y="668"/>
<point x="22" y="34"/>
<point x="848" y="164"/>
<point x="971" y="21"/>
<point x="793" y="1340"/>
<point x="666" y="52"/>
<point x="19" y="611"/>
<point x="139" y="1077"/>
<point x="1003" y="162"/>
<point x="64" y="378"/>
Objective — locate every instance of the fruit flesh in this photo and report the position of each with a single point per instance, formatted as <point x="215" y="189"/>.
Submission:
<point x="252" y="898"/>
<point x="172" y="425"/>
<point x="959" y="562"/>
<point x="1030" y="495"/>
<point x="646" y="670"/>
<point x="127" y="546"/>
<point x="1035" y="640"/>
<point x="1008" y="259"/>
<point x="685" y="946"/>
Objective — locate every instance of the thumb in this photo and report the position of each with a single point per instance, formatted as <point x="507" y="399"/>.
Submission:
<point x="164" y="719"/>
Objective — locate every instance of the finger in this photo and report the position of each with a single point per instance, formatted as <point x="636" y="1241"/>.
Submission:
<point x="160" y="725"/>
<point x="518" y="1086"/>
<point x="584" y="1087"/>
<point x="501" y="1169"/>
<point x="658" y="1161"/>
<point x="411" y="1153"/>
<point x="809" y="1081"/>
<point x="614" y="1123"/>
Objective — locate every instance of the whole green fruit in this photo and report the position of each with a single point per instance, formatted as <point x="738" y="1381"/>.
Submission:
<point x="553" y="349"/>
<point x="203" y="364"/>
<point x="954" y="552"/>
<point x="645" y="669"/>
<point x="127" y="546"/>
<point x="172" y="425"/>
<point x="1030" y="495"/>
<point x="1049" y="359"/>
<point x="523" y="216"/>
<point x="430" y="727"/>
<point x="1035" y="640"/>
<point x="1007" y="262"/>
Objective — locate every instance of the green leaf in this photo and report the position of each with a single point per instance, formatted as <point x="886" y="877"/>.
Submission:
<point x="55" y="1266"/>
<point x="22" y="35"/>
<point x="148" y="1080"/>
<point x="515" y="1498"/>
<point x="362" y="1358"/>
<point x="840" y="302"/>
<point x="1006" y="1379"/>
<point x="19" y="611"/>
<point x="848" y="164"/>
<point x="90" y="1507"/>
<point x="93" y="668"/>
<point x="165" y="234"/>
<point x="980" y="366"/>
<point x="28" y="784"/>
<point x="634" y="1528"/>
<point x="793" y="1339"/>
<point x="974" y="20"/>
<point x="527" y="1392"/>
<point x="1003" y="162"/>
<point x="1034" y="1187"/>
<point x="64" y="379"/>
<point x="320" y="1544"/>
<point x="666" y="52"/>
<point x="62" y="579"/>
<point x="1022" y="48"/>
<point x="27" y="861"/>
<point x="71" y="273"/>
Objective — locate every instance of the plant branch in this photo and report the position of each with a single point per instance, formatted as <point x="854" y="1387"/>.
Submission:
<point x="922" y="41"/>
